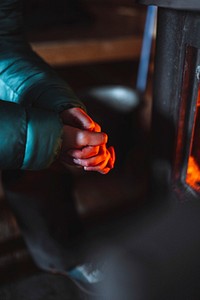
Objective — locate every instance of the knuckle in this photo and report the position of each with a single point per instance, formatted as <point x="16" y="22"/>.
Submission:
<point x="103" y="138"/>
<point x="95" y="151"/>
<point x="81" y="138"/>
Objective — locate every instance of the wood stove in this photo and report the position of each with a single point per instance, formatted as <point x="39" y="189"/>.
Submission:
<point x="176" y="99"/>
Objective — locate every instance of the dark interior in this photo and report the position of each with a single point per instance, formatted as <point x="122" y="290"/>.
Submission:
<point x="144" y="215"/>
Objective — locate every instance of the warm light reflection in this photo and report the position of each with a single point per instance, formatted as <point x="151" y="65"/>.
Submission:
<point x="193" y="168"/>
<point x="193" y="174"/>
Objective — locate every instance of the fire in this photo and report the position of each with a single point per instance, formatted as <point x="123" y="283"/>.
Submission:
<point x="193" y="174"/>
<point x="193" y="168"/>
<point x="198" y="99"/>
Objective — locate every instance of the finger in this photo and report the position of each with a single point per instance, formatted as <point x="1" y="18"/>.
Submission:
<point x="97" y="127"/>
<point x="68" y="161"/>
<point x="104" y="168"/>
<point x="99" y="160"/>
<point x="101" y="168"/>
<point x="85" y="152"/>
<point x="111" y="161"/>
<point x="112" y="153"/>
<point x="77" y="138"/>
<point x="88" y="138"/>
<point x="103" y="171"/>
<point x="77" y="117"/>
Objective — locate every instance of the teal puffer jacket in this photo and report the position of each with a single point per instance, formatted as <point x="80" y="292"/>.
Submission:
<point x="32" y="96"/>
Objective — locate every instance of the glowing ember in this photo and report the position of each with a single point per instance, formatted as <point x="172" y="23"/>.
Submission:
<point x="193" y="174"/>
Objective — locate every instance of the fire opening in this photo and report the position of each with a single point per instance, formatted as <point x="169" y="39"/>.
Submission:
<point x="193" y="167"/>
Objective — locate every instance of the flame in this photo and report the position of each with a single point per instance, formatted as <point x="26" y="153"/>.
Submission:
<point x="193" y="168"/>
<point x="198" y="99"/>
<point x="193" y="174"/>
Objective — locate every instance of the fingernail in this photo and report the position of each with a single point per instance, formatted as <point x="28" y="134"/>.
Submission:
<point x="76" y="161"/>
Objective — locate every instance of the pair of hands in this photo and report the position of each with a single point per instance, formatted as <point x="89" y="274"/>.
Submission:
<point x="84" y="145"/>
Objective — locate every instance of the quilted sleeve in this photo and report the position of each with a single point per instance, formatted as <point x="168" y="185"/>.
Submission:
<point x="29" y="138"/>
<point x="24" y="77"/>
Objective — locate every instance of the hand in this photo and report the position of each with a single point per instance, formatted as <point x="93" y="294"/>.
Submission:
<point x="75" y="138"/>
<point x="103" y="162"/>
<point x="84" y="145"/>
<point x="78" y="143"/>
<point x="78" y="118"/>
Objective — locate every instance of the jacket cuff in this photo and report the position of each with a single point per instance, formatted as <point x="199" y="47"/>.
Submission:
<point x="12" y="135"/>
<point x="43" y="140"/>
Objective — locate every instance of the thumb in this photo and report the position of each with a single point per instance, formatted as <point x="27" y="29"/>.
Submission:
<point x="78" y="138"/>
<point x="78" y="118"/>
